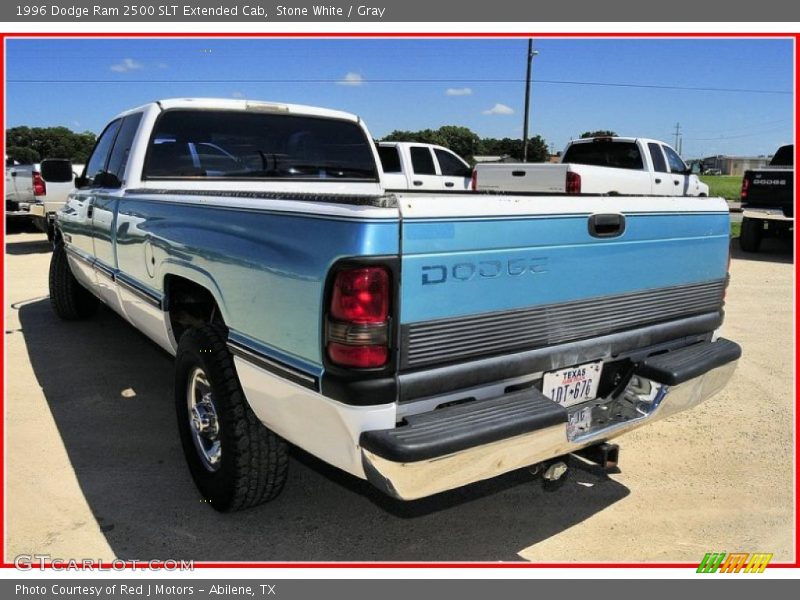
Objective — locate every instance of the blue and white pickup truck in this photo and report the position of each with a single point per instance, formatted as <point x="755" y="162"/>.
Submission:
<point x="419" y="341"/>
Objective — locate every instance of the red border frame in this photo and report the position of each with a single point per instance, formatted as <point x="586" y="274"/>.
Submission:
<point x="378" y="35"/>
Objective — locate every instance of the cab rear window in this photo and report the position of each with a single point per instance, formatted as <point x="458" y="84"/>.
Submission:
<point x="215" y="144"/>
<point x="622" y="155"/>
<point x="784" y="157"/>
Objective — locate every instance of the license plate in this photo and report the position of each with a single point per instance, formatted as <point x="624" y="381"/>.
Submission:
<point x="573" y="385"/>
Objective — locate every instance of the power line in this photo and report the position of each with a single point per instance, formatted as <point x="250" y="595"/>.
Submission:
<point x="735" y="137"/>
<point x="415" y="80"/>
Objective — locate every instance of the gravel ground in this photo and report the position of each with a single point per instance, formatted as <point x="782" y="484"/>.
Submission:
<point x="96" y="471"/>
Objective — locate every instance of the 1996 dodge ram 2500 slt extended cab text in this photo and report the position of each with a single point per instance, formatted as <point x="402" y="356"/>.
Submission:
<point x="419" y="341"/>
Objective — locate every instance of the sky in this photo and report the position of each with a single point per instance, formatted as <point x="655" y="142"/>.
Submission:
<point x="426" y="83"/>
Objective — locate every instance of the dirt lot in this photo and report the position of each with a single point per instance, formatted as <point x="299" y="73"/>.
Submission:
<point x="96" y="471"/>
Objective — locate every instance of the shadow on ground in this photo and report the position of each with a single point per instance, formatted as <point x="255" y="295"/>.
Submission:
<point x="28" y="247"/>
<point x="127" y="458"/>
<point x="773" y="249"/>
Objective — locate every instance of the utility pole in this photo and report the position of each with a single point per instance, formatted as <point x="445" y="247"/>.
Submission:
<point x="677" y="137"/>
<point x="531" y="54"/>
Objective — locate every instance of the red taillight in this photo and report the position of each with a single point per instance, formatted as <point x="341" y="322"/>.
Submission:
<point x="361" y="295"/>
<point x="39" y="188"/>
<point x="745" y="188"/>
<point x="357" y="330"/>
<point x="474" y="181"/>
<point x="573" y="183"/>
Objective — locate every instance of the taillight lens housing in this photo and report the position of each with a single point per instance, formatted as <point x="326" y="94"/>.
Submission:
<point x="39" y="187"/>
<point x="358" y="322"/>
<point x="361" y="295"/>
<point x="745" y="188"/>
<point x="573" y="183"/>
<point x="474" y="181"/>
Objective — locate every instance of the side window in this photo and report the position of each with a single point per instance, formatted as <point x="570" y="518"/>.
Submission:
<point x="659" y="164"/>
<point x="451" y="165"/>
<point x="422" y="161"/>
<point x="390" y="159"/>
<point x="676" y="164"/>
<point x="122" y="145"/>
<point x="102" y="150"/>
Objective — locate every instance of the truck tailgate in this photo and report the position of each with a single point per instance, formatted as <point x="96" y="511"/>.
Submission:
<point x="489" y="275"/>
<point x="521" y="177"/>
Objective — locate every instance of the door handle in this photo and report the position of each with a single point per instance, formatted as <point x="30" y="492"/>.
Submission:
<point x="13" y="173"/>
<point x="417" y="183"/>
<point x="658" y="180"/>
<point x="449" y="183"/>
<point x="676" y="181"/>
<point x="606" y="225"/>
<point x="518" y="173"/>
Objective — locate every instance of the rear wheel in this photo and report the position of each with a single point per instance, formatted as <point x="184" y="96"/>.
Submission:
<point x="751" y="234"/>
<point x="69" y="299"/>
<point x="235" y="461"/>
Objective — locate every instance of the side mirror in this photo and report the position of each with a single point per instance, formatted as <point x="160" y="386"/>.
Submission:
<point x="105" y="179"/>
<point x="56" y="170"/>
<point x="81" y="181"/>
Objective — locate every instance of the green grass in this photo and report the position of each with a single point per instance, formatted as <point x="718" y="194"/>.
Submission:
<point x="727" y="186"/>
<point x="736" y="229"/>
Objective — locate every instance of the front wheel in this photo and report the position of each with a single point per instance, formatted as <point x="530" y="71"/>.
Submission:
<point x="751" y="234"/>
<point x="235" y="461"/>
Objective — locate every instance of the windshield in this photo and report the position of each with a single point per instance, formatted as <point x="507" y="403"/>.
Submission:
<point x="249" y="145"/>
<point x="622" y="155"/>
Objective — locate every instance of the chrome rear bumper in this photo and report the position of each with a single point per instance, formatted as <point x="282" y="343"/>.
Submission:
<point x="643" y="401"/>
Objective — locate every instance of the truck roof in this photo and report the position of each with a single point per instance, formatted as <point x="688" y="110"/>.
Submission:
<point x="617" y="138"/>
<point x="242" y="104"/>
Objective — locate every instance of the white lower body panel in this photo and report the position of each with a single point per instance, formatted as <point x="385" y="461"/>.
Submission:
<point x="319" y="425"/>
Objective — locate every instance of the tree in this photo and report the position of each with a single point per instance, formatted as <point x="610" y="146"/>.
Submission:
<point x="537" y="148"/>
<point x="31" y="144"/>
<point x="22" y="155"/>
<point x="598" y="133"/>
<point x="424" y="136"/>
<point x="461" y="140"/>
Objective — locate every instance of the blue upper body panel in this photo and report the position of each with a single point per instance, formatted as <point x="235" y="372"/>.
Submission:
<point x="267" y="270"/>
<point x="455" y="267"/>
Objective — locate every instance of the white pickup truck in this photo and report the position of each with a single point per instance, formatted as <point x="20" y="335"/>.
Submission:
<point x="416" y="166"/>
<point x="602" y="165"/>
<point x="38" y="191"/>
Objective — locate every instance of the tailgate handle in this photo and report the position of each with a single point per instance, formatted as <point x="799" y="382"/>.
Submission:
<point x="518" y="173"/>
<point x="606" y="225"/>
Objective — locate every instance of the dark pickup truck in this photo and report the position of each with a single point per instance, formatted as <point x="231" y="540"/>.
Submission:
<point x="768" y="200"/>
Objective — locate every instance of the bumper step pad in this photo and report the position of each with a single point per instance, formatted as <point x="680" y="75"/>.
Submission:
<point x="456" y="428"/>
<point x="679" y="366"/>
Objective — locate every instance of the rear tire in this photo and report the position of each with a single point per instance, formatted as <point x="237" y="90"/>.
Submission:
<point x="69" y="299"/>
<point x="751" y="234"/>
<point x="235" y="461"/>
